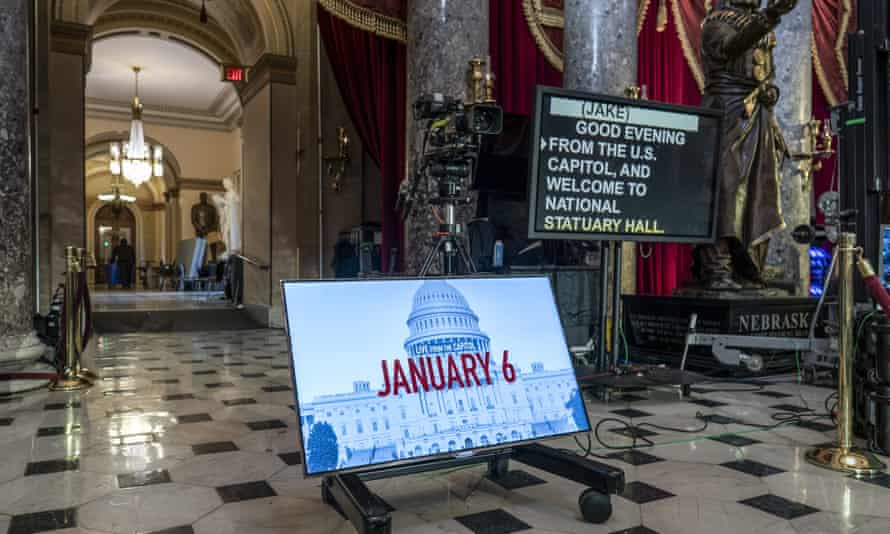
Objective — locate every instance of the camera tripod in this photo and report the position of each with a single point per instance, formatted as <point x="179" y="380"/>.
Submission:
<point x="448" y="244"/>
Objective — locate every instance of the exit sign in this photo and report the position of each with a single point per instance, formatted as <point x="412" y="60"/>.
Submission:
<point x="234" y="73"/>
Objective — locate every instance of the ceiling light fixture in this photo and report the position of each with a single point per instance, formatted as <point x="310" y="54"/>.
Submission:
<point x="134" y="159"/>
<point x="115" y="198"/>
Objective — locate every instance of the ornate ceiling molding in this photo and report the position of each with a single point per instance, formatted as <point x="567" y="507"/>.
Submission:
<point x="367" y="19"/>
<point x="71" y="10"/>
<point x="243" y="29"/>
<point x="277" y="30"/>
<point x="201" y="184"/>
<point x="211" y="39"/>
<point x="224" y="119"/>
<point x="97" y="147"/>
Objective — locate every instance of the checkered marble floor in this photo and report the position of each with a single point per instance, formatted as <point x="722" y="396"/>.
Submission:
<point x="195" y="433"/>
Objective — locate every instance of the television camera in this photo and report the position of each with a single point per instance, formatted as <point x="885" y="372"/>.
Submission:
<point x="452" y="140"/>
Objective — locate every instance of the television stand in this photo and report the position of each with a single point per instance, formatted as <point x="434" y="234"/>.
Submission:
<point x="369" y="514"/>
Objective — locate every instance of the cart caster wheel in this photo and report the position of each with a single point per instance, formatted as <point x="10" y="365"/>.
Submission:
<point x="595" y="507"/>
<point x="328" y="499"/>
<point x="326" y="496"/>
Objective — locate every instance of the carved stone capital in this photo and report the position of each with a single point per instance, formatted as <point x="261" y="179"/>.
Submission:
<point x="270" y="68"/>
<point x="72" y="38"/>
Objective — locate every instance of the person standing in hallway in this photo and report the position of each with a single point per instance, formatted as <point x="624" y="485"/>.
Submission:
<point x="125" y="257"/>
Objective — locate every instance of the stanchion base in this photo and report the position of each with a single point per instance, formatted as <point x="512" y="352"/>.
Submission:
<point x="75" y="383"/>
<point x="86" y="374"/>
<point x="859" y="463"/>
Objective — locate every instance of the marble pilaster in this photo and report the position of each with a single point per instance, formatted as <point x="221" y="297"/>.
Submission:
<point x="787" y="260"/>
<point x="18" y="344"/>
<point x="443" y="35"/>
<point x="600" y="44"/>
<point x="65" y="183"/>
<point x="279" y="199"/>
<point x="175" y="222"/>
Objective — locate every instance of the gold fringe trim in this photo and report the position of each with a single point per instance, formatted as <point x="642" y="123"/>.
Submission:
<point x="535" y="14"/>
<point x="662" y="19"/>
<point x="367" y="19"/>
<point x="821" y="76"/>
<point x="842" y="40"/>
<point x="641" y="15"/>
<point x="691" y="55"/>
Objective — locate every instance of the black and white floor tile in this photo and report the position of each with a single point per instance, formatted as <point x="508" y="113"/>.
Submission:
<point x="196" y="434"/>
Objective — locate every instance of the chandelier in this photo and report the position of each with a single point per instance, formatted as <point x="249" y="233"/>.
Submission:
<point x="134" y="159"/>
<point x="115" y="198"/>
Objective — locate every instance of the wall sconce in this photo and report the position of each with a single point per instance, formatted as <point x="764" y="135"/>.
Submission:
<point x="337" y="165"/>
<point x="816" y="146"/>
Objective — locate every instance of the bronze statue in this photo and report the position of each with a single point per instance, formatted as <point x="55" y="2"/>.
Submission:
<point x="204" y="217"/>
<point x="737" y="55"/>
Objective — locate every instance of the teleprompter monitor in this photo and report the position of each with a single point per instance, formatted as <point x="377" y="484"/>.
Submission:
<point x="608" y="168"/>
<point x="393" y="371"/>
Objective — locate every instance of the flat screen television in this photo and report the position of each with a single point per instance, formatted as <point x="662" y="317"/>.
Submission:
<point x="394" y="371"/>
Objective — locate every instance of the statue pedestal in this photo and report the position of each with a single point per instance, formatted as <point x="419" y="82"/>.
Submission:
<point x="656" y="327"/>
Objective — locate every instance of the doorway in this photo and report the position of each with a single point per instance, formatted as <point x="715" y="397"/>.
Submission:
<point x="112" y="224"/>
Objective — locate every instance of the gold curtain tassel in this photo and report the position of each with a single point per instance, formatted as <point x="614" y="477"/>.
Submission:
<point x="662" y="20"/>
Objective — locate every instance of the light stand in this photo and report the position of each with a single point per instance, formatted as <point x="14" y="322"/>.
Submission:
<point x="843" y="456"/>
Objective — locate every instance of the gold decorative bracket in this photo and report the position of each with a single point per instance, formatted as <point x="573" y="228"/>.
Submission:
<point x="816" y="146"/>
<point x="337" y="165"/>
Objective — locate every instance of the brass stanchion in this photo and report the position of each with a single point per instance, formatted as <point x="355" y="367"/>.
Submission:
<point x="844" y="456"/>
<point x="83" y="262"/>
<point x="70" y="378"/>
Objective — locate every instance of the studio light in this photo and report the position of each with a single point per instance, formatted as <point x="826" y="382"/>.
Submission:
<point x="133" y="159"/>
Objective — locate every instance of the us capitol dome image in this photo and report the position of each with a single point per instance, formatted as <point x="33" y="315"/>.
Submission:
<point x="371" y="429"/>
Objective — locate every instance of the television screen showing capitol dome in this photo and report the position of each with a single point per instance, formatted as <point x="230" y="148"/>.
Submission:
<point x="398" y="370"/>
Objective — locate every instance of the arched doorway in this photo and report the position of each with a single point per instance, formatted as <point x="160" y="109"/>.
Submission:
<point x="112" y="224"/>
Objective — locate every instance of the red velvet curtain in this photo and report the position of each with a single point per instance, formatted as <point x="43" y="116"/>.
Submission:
<point x="662" y="68"/>
<point x="833" y="20"/>
<point x="516" y="61"/>
<point x="370" y="72"/>
<point x="822" y="179"/>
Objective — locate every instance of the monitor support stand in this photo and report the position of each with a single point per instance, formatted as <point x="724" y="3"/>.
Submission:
<point x="369" y="514"/>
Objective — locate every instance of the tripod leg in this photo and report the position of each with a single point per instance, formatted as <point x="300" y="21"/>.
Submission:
<point x="430" y="257"/>
<point x="462" y="250"/>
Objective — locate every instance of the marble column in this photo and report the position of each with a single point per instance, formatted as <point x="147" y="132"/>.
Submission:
<point x="19" y="346"/>
<point x="443" y="35"/>
<point x="788" y="261"/>
<point x="600" y="44"/>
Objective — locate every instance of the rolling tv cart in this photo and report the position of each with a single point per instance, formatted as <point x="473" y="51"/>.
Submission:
<point x="369" y="514"/>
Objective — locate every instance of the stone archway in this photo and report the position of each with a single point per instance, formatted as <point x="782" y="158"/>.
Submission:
<point x="97" y="145"/>
<point x="139" y="222"/>
<point x="237" y="30"/>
